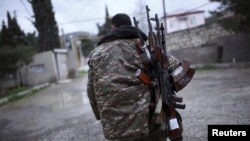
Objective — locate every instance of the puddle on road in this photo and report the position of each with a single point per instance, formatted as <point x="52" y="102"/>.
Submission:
<point x="71" y="100"/>
<point x="47" y="109"/>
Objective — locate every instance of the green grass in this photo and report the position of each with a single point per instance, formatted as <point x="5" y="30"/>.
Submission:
<point x="14" y="91"/>
<point x="17" y="97"/>
<point x="82" y="72"/>
<point x="13" y="94"/>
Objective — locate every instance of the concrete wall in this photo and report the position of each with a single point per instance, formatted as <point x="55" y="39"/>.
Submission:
<point x="72" y="63"/>
<point x="62" y="67"/>
<point x="42" y="69"/>
<point x="49" y="67"/>
<point x="46" y="67"/>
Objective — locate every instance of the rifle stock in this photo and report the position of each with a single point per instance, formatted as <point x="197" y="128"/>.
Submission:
<point x="143" y="77"/>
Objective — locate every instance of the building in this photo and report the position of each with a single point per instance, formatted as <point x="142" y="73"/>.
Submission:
<point x="183" y="19"/>
<point x="72" y="42"/>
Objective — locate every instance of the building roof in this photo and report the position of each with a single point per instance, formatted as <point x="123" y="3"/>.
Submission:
<point x="182" y="12"/>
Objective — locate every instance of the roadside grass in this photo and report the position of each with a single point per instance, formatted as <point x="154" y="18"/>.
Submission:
<point x="19" y="93"/>
<point x="82" y="72"/>
<point x="13" y="91"/>
<point x="17" y="97"/>
<point x="205" y="67"/>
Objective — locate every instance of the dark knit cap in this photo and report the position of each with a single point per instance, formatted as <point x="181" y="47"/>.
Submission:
<point x="121" y="19"/>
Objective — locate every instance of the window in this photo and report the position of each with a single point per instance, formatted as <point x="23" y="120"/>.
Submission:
<point x="172" y="24"/>
<point x="37" y="68"/>
<point x="192" y="21"/>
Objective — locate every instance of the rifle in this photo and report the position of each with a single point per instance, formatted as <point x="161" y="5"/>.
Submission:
<point x="139" y="43"/>
<point x="162" y="82"/>
<point x="141" y="47"/>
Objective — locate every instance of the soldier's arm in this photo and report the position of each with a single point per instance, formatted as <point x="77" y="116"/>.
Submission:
<point x="91" y="94"/>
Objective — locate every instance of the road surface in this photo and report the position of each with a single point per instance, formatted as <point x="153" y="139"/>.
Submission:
<point x="62" y="112"/>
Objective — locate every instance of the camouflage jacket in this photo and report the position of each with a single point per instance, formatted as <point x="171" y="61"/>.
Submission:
<point x="116" y="96"/>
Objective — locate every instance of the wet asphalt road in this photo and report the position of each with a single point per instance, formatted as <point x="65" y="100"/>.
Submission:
<point x="62" y="112"/>
<point x="58" y="113"/>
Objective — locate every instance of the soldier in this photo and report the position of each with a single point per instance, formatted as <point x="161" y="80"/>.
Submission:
<point x="118" y="98"/>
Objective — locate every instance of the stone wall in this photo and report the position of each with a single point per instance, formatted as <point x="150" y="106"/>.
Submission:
<point x="199" y="36"/>
<point x="209" y="43"/>
<point x="197" y="55"/>
<point x="235" y="48"/>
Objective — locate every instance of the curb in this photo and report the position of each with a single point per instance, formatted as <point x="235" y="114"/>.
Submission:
<point x="38" y="87"/>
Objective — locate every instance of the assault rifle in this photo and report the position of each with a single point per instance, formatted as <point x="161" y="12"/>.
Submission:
<point x="163" y="83"/>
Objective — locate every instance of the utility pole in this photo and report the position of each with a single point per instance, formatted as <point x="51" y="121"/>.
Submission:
<point x="164" y="16"/>
<point x="63" y="40"/>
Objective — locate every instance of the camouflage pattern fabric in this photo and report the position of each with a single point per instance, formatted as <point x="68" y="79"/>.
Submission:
<point x="116" y="96"/>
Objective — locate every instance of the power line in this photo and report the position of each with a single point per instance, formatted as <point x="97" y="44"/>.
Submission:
<point x="82" y="20"/>
<point x="201" y="6"/>
<point x="82" y="10"/>
<point x="25" y="7"/>
<point x="92" y="19"/>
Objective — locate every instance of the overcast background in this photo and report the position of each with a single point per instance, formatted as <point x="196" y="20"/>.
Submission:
<point x="83" y="15"/>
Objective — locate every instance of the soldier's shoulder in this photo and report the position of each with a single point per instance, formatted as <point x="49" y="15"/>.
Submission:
<point x="108" y="47"/>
